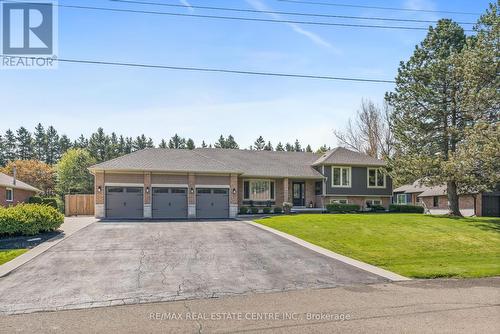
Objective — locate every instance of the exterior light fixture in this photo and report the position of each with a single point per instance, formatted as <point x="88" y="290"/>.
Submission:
<point x="99" y="189"/>
<point x="147" y="190"/>
<point x="191" y="190"/>
<point x="234" y="190"/>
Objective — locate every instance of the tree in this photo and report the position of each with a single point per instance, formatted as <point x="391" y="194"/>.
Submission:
<point x="3" y="160"/>
<point x="427" y="119"/>
<point x="72" y="173"/>
<point x="140" y="143"/>
<point x="81" y="142"/>
<point x="297" y="147"/>
<point x="113" y="147"/>
<point x="129" y="145"/>
<point x="9" y="146"/>
<point x="122" y="145"/>
<point x="190" y="144"/>
<point x="34" y="172"/>
<point x="52" y="148"/>
<point x="323" y="149"/>
<point x="39" y="143"/>
<point x="163" y="144"/>
<point x="98" y="144"/>
<point x="259" y="143"/>
<point x="370" y="132"/>
<point x="280" y="147"/>
<point x="24" y="144"/>
<point x="231" y="143"/>
<point x="221" y="143"/>
<point x="150" y="143"/>
<point x="268" y="147"/>
<point x="64" y="144"/>
<point x="177" y="142"/>
<point x="308" y="148"/>
<point x="289" y="147"/>
<point x="203" y="144"/>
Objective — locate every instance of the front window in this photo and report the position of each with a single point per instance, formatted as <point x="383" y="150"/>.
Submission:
<point x="9" y="194"/>
<point x="341" y="177"/>
<point x="373" y="201"/>
<point x="401" y="199"/>
<point x="258" y="190"/>
<point x="376" y="178"/>
<point x="339" y="201"/>
<point x="435" y="201"/>
<point x="318" y="188"/>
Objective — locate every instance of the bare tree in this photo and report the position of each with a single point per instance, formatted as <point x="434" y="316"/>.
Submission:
<point x="369" y="132"/>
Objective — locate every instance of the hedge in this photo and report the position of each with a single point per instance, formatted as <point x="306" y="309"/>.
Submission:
<point x="406" y="208"/>
<point x="243" y="210"/>
<point x="254" y="210"/>
<point x="277" y="210"/>
<point x="29" y="219"/>
<point x="342" y="208"/>
<point x="35" y="200"/>
<point x="377" y="208"/>
<point x="266" y="210"/>
<point x="50" y="201"/>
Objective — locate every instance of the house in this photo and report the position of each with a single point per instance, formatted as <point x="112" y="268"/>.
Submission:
<point x="13" y="191"/>
<point x="435" y="200"/>
<point x="214" y="183"/>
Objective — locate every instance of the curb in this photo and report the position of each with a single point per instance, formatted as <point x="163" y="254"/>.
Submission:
<point x="355" y="263"/>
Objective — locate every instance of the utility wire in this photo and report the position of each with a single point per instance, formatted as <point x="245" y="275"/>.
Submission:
<point x="215" y="70"/>
<point x="377" y="7"/>
<point x="232" y="18"/>
<point x="243" y="10"/>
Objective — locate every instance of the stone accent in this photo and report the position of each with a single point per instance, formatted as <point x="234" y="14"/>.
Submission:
<point x="233" y="210"/>
<point x="310" y="195"/>
<point x="148" y="213"/>
<point x="286" y="187"/>
<point x="191" y="185"/>
<point x="99" y="211"/>
<point x="233" y="196"/>
<point x="99" y="182"/>
<point x="147" y="191"/>
<point x="191" y="211"/>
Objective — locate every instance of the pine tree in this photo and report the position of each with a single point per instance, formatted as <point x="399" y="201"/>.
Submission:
<point x="296" y="146"/>
<point x="24" y="144"/>
<point x="322" y="149"/>
<point x="3" y="160"/>
<point x="64" y="144"/>
<point x="112" y="150"/>
<point x="203" y="144"/>
<point x="177" y="142"/>
<point x="221" y="143"/>
<point x="121" y="146"/>
<point x="289" y="147"/>
<point x="190" y="144"/>
<point x="10" y="146"/>
<point x="39" y="143"/>
<point x="231" y="143"/>
<point x="98" y="144"/>
<point x="308" y="148"/>
<point x="259" y="143"/>
<point x="280" y="147"/>
<point x="150" y="143"/>
<point x="268" y="147"/>
<point x="140" y="143"/>
<point x="163" y="144"/>
<point x="52" y="150"/>
<point x="129" y="145"/>
<point x="81" y="142"/>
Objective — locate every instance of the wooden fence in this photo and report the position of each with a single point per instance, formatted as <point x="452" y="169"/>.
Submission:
<point x="79" y="205"/>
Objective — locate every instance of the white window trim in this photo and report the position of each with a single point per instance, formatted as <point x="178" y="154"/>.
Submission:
<point x="12" y="194"/>
<point x="374" y="199"/>
<point x="397" y="199"/>
<point x="250" y="193"/>
<point x="350" y="177"/>
<point x="213" y="186"/>
<point x="377" y="170"/>
<point x="332" y="200"/>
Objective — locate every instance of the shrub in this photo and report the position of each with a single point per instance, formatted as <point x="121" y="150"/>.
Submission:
<point x="35" y="200"/>
<point x="377" y="208"/>
<point x="278" y="210"/>
<point x="266" y="210"/>
<point x="29" y="219"/>
<point x="243" y="210"/>
<point x="254" y="210"/>
<point x="342" y="208"/>
<point x="406" y="208"/>
<point x="287" y="207"/>
<point x="50" y="201"/>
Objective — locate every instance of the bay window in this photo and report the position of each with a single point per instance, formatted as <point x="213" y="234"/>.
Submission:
<point x="376" y="178"/>
<point x="258" y="190"/>
<point x="341" y="177"/>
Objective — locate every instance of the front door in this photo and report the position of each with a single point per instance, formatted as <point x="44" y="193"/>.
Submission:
<point x="298" y="189"/>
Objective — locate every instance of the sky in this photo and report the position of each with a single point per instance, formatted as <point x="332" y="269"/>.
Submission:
<point x="77" y="99"/>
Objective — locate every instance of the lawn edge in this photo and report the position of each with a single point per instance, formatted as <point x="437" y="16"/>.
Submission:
<point x="326" y="252"/>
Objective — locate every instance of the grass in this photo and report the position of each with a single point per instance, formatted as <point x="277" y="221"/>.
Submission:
<point x="413" y="245"/>
<point x="8" y="254"/>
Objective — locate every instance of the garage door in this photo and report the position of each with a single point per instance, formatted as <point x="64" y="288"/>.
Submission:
<point x="212" y="203"/>
<point x="124" y="202"/>
<point x="170" y="203"/>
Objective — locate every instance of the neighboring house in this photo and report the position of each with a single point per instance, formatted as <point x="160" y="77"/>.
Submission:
<point x="14" y="191"/>
<point x="435" y="200"/>
<point x="214" y="183"/>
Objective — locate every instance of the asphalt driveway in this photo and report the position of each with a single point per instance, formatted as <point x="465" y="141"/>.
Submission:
<point x="125" y="263"/>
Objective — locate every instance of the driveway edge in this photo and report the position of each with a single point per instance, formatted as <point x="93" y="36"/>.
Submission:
<point x="355" y="263"/>
<point x="69" y="227"/>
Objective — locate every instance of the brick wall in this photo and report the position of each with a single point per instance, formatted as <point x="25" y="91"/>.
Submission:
<point x="20" y="196"/>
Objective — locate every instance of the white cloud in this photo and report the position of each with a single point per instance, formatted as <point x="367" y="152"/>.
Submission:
<point x="318" y="40"/>
<point x="186" y="3"/>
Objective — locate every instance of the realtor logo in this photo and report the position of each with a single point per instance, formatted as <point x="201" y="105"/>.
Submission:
<point x="28" y="29"/>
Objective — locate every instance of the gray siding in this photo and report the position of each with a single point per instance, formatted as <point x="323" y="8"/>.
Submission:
<point x="359" y="184"/>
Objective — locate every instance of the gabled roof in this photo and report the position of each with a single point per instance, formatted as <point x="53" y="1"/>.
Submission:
<point x="415" y="187"/>
<point x="343" y="156"/>
<point x="8" y="181"/>
<point x="434" y="191"/>
<point x="209" y="160"/>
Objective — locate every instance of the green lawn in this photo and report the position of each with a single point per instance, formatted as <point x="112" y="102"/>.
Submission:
<point x="8" y="254"/>
<point x="412" y="245"/>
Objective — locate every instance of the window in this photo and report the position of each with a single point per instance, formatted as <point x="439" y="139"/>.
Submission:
<point x="373" y="201"/>
<point x="318" y="188"/>
<point x="221" y="191"/>
<point x="9" y="194"/>
<point x="376" y="178"/>
<point x="339" y="201"/>
<point x="401" y="199"/>
<point x="341" y="177"/>
<point x="258" y="190"/>
<point x="435" y="201"/>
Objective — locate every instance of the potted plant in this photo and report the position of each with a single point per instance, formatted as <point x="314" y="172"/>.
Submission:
<point x="287" y="207"/>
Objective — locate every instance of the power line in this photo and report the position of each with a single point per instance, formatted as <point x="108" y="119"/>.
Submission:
<point x="377" y="7"/>
<point x="232" y="18"/>
<point x="216" y="70"/>
<point x="243" y="10"/>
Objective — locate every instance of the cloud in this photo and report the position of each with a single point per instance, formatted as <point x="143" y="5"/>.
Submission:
<point x="186" y="3"/>
<point x="318" y="40"/>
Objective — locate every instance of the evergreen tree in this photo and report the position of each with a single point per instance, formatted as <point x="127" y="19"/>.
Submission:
<point x="81" y="142"/>
<point x="231" y="143"/>
<point x="150" y="143"/>
<point x="190" y="144"/>
<point x="121" y="146"/>
<point x="268" y="147"/>
<point x="64" y="144"/>
<point x="163" y="144"/>
<point x="10" y="146"/>
<point x="24" y="144"/>
<point x="322" y="149"/>
<point x="308" y="148"/>
<point x="221" y="143"/>
<point x="177" y="142"/>
<point x="39" y="143"/>
<point x="98" y="144"/>
<point x="129" y="145"/>
<point x="280" y="147"/>
<point x="289" y="147"/>
<point x="259" y="143"/>
<point x="296" y="146"/>
<point x="203" y="144"/>
<point x="3" y="160"/>
<point x="112" y="150"/>
<point x="140" y="143"/>
<point x="52" y="149"/>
